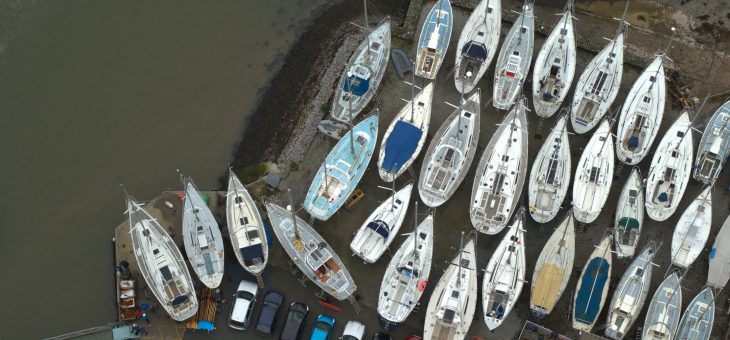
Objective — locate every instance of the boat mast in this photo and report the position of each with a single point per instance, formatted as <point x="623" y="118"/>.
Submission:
<point x="522" y="19"/>
<point x="415" y="230"/>
<point x="413" y="91"/>
<point x="598" y="271"/>
<point x="461" y="250"/>
<point x="392" y="201"/>
<point x="293" y="216"/>
<point x="689" y="126"/>
<point x="662" y="56"/>
<point x="367" y="27"/>
<point x="349" y="120"/>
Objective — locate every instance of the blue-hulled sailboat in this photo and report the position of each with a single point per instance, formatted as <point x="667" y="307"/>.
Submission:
<point x="342" y="170"/>
<point x="434" y="40"/>
<point x="590" y="295"/>
<point x="405" y="136"/>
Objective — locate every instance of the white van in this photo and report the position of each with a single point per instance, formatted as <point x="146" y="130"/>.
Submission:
<point x="245" y="299"/>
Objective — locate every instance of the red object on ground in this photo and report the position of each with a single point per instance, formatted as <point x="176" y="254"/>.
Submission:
<point x="330" y="306"/>
<point x="414" y="337"/>
<point x="180" y="196"/>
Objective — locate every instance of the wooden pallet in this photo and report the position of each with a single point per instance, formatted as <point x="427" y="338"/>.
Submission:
<point x="355" y="197"/>
<point x="206" y="308"/>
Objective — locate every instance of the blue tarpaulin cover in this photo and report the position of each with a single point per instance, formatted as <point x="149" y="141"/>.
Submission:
<point x="359" y="85"/>
<point x="633" y="142"/>
<point x="252" y="252"/>
<point x="401" y="145"/>
<point x="588" y="302"/>
<point x="663" y="197"/>
<point x="475" y="50"/>
<point x="380" y="227"/>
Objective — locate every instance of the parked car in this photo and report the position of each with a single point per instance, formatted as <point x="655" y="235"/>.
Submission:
<point x="382" y="336"/>
<point x="270" y="310"/>
<point x="244" y="300"/>
<point x="295" y="319"/>
<point x="323" y="327"/>
<point x="353" y="331"/>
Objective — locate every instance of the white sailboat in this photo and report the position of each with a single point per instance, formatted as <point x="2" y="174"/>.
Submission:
<point x="719" y="269"/>
<point x="594" y="175"/>
<point x="501" y="173"/>
<point x="642" y="112"/>
<point x="406" y="276"/>
<point x="245" y="227"/>
<point x="628" y="298"/>
<point x="201" y="237"/>
<point x="590" y="295"/>
<point x="598" y="85"/>
<point x="553" y="268"/>
<point x="515" y="57"/>
<point x="670" y="170"/>
<point x="434" y="40"/>
<point x="662" y="317"/>
<point x="555" y="66"/>
<point x="405" y="136"/>
<point x="450" y="154"/>
<point x="714" y="148"/>
<point x="454" y="300"/>
<point x="161" y="263"/>
<point x="629" y="218"/>
<point x="550" y="174"/>
<point x="692" y="230"/>
<point x="477" y="44"/>
<point x="697" y="320"/>
<point x="504" y="275"/>
<point x="381" y="227"/>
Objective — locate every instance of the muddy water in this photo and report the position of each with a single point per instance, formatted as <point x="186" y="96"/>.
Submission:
<point x="98" y="93"/>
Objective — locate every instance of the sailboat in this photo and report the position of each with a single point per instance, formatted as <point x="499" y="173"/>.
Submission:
<point x="696" y="323"/>
<point x="245" y="227"/>
<point x="434" y="40"/>
<point x="363" y="73"/>
<point x="406" y="276"/>
<point x="515" y="57"/>
<point x="314" y="257"/>
<point x="553" y="268"/>
<point x="454" y="300"/>
<point x="381" y="227"/>
<point x="477" y="44"/>
<point x="590" y="295"/>
<point x="161" y="263"/>
<point x="599" y="83"/>
<point x="405" y="136"/>
<point x="670" y="170"/>
<point x="201" y="237"/>
<point x="450" y="154"/>
<point x="662" y="317"/>
<point x="719" y="270"/>
<point x="692" y="230"/>
<point x="630" y="294"/>
<point x="342" y="170"/>
<point x="555" y="66"/>
<point x="629" y="217"/>
<point x="642" y="112"/>
<point x="505" y="274"/>
<point x="550" y="174"/>
<point x="594" y="175"/>
<point x="714" y="148"/>
<point x="501" y="173"/>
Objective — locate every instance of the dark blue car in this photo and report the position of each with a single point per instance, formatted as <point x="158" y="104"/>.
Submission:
<point x="267" y="319"/>
<point x="323" y="327"/>
<point x="295" y="319"/>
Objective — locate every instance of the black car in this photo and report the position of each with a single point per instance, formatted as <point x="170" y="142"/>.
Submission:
<point x="267" y="319"/>
<point x="382" y="336"/>
<point x="295" y="319"/>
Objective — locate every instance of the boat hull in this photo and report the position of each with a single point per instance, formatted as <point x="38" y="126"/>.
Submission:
<point x="590" y="295"/>
<point x="594" y="175"/>
<point x="554" y="67"/>
<point x="550" y="174"/>
<point x="513" y="62"/>
<point x="714" y="148"/>
<point x="692" y="230"/>
<point x="630" y="294"/>
<point x="202" y="238"/>
<point x="381" y="227"/>
<point x="434" y="40"/>
<point x="552" y="270"/>
<point x="246" y="228"/>
<point x="629" y="217"/>
<point x="477" y="45"/>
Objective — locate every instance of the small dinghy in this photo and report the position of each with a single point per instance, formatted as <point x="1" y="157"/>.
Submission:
<point x="696" y="323"/>
<point x="161" y="263"/>
<point x="555" y="66"/>
<point x="501" y="173"/>
<point x="504" y="275"/>
<point x="642" y="112"/>
<point x="553" y="268"/>
<point x="405" y="136"/>
<point x="342" y="170"/>
<point x="662" y="317"/>
<point x="714" y="148"/>
<point x="513" y="62"/>
<point x="314" y="257"/>
<point x="629" y="217"/>
<point x="201" y="237"/>
<point x="406" y="276"/>
<point x="332" y="128"/>
<point x="434" y="40"/>
<point x="550" y="174"/>
<point x="363" y="73"/>
<point x="599" y="83"/>
<point x="454" y="300"/>
<point x="670" y="170"/>
<point x="381" y="227"/>
<point x="450" y="154"/>
<point x="630" y="294"/>
<point x="477" y="44"/>
<point x="590" y="295"/>
<point x="719" y="271"/>
<point x="692" y="230"/>
<point x="594" y="175"/>
<point x="245" y="227"/>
